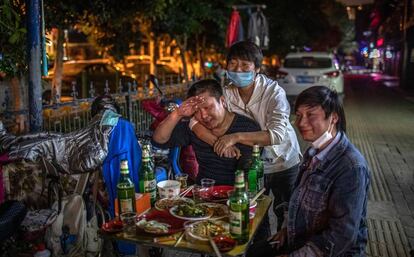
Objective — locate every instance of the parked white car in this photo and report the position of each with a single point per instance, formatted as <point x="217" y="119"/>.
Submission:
<point x="306" y="69"/>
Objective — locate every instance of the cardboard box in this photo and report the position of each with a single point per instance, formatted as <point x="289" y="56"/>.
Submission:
<point x="142" y="203"/>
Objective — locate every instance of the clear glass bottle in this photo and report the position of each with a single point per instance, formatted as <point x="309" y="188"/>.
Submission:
<point x="125" y="190"/>
<point x="239" y="210"/>
<point x="147" y="183"/>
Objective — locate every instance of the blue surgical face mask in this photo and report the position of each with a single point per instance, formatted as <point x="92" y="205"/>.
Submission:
<point x="109" y="118"/>
<point x="241" y="79"/>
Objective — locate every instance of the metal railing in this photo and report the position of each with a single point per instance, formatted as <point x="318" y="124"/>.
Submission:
<point x="69" y="116"/>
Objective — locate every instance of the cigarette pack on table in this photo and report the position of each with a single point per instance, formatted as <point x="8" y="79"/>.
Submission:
<point x="142" y="203"/>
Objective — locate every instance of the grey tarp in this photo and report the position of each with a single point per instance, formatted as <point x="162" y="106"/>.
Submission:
<point x="80" y="151"/>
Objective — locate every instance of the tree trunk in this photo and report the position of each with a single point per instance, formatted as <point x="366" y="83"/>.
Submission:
<point x="182" y="44"/>
<point x="200" y="54"/>
<point x="155" y="54"/>
<point x="19" y="101"/>
<point x="152" y="51"/>
<point x="58" y="68"/>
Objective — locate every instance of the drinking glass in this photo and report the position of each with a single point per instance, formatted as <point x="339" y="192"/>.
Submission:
<point x="197" y="191"/>
<point x="182" y="178"/>
<point x="129" y="219"/>
<point x="207" y="185"/>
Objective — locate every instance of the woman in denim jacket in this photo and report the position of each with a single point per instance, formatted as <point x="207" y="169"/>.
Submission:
<point x="327" y="209"/>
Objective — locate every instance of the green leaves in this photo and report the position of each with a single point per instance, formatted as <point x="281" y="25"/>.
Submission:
<point x="12" y="37"/>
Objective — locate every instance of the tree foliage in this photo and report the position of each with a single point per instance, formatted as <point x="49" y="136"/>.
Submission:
<point x="116" y="25"/>
<point x="12" y="38"/>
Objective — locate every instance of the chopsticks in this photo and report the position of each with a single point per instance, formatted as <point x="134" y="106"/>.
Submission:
<point x="257" y="195"/>
<point x="185" y="192"/>
<point x="164" y="239"/>
<point x="179" y="239"/>
<point x="213" y="244"/>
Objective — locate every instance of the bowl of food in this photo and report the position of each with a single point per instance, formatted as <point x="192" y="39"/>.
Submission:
<point x="159" y="223"/>
<point x="168" y="188"/>
<point x="191" y="212"/>
<point x="167" y="203"/>
<point x="198" y="232"/>
<point x="224" y="243"/>
<point x="219" y="210"/>
<point x="113" y="226"/>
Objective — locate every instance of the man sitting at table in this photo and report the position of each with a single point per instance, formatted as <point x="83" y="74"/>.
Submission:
<point x="205" y="101"/>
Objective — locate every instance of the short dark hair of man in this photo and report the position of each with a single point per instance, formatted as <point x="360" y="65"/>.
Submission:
<point x="246" y="50"/>
<point x="329" y="101"/>
<point x="104" y="102"/>
<point x="206" y="85"/>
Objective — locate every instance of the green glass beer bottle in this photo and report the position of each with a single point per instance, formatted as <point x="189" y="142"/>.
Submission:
<point x="125" y="190"/>
<point x="256" y="169"/>
<point x="239" y="210"/>
<point x="147" y="182"/>
<point x="252" y="175"/>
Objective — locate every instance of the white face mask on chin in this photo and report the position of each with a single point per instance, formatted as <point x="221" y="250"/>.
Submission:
<point x="324" y="138"/>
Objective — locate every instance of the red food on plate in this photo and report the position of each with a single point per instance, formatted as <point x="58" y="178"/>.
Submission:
<point x="159" y="223"/>
<point x="113" y="226"/>
<point x="224" y="243"/>
<point x="220" y="192"/>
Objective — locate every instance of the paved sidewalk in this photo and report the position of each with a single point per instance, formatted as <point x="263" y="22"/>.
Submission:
<point x="381" y="125"/>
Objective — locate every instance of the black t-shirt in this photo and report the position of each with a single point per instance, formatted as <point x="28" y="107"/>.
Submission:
<point x="210" y="164"/>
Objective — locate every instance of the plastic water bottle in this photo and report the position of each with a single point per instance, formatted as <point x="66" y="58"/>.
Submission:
<point x="42" y="251"/>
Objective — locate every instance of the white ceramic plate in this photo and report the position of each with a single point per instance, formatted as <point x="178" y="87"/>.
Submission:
<point x="197" y="230"/>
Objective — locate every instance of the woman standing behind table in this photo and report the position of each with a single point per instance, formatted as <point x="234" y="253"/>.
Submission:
<point x="328" y="206"/>
<point x="260" y="98"/>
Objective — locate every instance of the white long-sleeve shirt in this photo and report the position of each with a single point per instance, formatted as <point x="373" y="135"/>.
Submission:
<point x="269" y="107"/>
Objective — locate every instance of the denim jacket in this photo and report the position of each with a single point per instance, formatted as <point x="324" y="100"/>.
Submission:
<point x="327" y="210"/>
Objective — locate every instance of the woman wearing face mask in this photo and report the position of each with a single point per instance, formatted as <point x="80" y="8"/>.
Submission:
<point x="327" y="209"/>
<point x="256" y="96"/>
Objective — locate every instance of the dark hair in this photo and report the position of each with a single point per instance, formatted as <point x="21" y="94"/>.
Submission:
<point x="206" y="85"/>
<point x="104" y="102"/>
<point x="246" y="50"/>
<point x="329" y="101"/>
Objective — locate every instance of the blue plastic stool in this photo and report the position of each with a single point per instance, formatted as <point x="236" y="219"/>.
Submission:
<point x="175" y="161"/>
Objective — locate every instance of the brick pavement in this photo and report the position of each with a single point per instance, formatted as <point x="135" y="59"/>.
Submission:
<point x="380" y="124"/>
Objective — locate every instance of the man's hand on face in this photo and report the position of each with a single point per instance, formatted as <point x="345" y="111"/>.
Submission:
<point x="189" y="106"/>
<point x="224" y="142"/>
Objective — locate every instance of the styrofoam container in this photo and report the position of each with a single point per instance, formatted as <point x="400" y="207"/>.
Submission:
<point x="168" y="188"/>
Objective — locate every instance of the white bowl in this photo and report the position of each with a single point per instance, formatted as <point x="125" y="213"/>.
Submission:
<point x="168" y="188"/>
